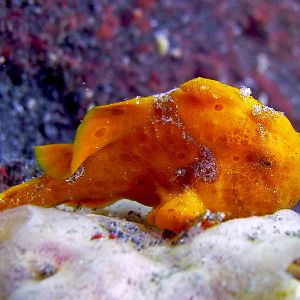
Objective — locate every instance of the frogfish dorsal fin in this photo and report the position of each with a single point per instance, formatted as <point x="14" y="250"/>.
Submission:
<point x="106" y="124"/>
<point x="55" y="159"/>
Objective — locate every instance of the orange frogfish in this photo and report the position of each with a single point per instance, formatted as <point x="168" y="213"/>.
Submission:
<point x="204" y="145"/>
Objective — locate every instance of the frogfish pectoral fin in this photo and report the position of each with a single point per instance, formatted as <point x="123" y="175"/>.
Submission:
<point x="55" y="160"/>
<point x="106" y="124"/>
<point x="177" y="211"/>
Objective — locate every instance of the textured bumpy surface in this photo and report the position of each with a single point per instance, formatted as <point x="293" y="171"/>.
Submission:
<point x="50" y="254"/>
<point x="58" y="59"/>
<point x="204" y="145"/>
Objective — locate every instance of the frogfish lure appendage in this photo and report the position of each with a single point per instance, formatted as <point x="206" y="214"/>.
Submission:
<point x="204" y="145"/>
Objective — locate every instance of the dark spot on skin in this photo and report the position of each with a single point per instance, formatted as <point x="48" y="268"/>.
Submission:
<point x="250" y="158"/>
<point x="65" y="154"/>
<point x="218" y="107"/>
<point x="266" y="163"/>
<point x="140" y="182"/>
<point x="223" y="138"/>
<point x="100" y="132"/>
<point x="258" y="159"/>
<point x="181" y="155"/>
<point x="236" y="158"/>
<point x="116" y="111"/>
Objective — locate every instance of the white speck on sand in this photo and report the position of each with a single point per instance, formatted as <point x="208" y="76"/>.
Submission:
<point x="162" y="43"/>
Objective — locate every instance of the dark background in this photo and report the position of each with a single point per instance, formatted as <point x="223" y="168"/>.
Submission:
<point x="60" y="58"/>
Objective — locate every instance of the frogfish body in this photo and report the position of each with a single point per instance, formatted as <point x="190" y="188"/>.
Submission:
<point x="204" y="145"/>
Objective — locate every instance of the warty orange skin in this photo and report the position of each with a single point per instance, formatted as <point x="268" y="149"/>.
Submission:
<point x="204" y="145"/>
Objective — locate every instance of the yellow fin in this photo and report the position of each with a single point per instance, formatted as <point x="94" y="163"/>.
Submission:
<point x="55" y="160"/>
<point x="176" y="211"/>
<point x="106" y="124"/>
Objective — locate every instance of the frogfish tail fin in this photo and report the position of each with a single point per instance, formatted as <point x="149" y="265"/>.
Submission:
<point x="31" y="192"/>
